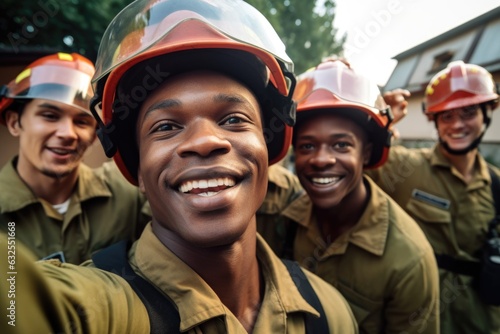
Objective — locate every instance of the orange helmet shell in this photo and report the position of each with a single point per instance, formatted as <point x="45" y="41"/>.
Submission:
<point x="60" y="77"/>
<point x="459" y="85"/>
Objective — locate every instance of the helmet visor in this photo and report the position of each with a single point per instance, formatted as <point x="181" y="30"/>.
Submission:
<point x="62" y="84"/>
<point x="148" y="22"/>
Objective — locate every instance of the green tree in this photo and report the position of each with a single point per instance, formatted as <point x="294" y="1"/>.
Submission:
<point x="65" y="25"/>
<point x="306" y="28"/>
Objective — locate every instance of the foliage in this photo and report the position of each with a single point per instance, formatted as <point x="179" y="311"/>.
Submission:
<point x="65" y="25"/>
<point x="306" y="28"/>
<point x="77" y="26"/>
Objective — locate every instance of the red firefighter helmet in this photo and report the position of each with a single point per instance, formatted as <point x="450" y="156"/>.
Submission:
<point x="163" y="37"/>
<point x="459" y="85"/>
<point x="60" y="77"/>
<point x="333" y="87"/>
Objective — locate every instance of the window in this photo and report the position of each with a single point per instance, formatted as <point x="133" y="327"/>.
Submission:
<point x="440" y="61"/>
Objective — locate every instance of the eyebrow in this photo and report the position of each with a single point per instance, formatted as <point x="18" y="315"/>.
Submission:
<point x="170" y="103"/>
<point x="334" y="136"/>
<point x="229" y="98"/>
<point x="164" y="104"/>
<point x="56" y="108"/>
<point x="50" y="106"/>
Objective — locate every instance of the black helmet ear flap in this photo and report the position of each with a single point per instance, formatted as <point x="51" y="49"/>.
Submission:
<point x="104" y="132"/>
<point x="281" y="106"/>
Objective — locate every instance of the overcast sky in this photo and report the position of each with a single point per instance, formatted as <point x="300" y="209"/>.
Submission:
<point x="377" y="30"/>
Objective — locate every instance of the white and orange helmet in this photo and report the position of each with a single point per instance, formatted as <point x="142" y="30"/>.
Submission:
<point x="149" y="41"/>
<point x="60" y="77"/>
<point x="459" y="85"/>
<point x="333" y="87"/>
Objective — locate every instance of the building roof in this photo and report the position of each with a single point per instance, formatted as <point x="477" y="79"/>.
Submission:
<point x="476" y="41"/>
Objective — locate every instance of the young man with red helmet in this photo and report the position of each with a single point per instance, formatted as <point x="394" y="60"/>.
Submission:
<point x="345" y="228"/>
<point x="448" y="191"/>
<point x="196" y="98"/>
<point x="60" y="207"/>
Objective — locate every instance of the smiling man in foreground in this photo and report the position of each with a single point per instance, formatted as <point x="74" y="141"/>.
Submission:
<point x="198" y="144"/>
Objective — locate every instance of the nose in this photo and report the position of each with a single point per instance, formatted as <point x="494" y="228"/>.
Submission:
<point x="203" y="138"/>
<point x="323" y="158"/>
<point x="457" y="121"/>
<point x="66" y="129"/>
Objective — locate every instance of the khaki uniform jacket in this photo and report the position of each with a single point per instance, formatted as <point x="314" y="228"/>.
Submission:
<point x="104" y="208"/>
<point x="454" y="216"/>
<point x="283" y="188"/>
<point x="90" y="300"/>
<point x="383" y="266"/>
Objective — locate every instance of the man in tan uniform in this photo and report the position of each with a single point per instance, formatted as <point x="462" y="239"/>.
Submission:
<point x="346" y="229"/>
<point x="447" y="190"/>
<point x="196" y="146"/>
<point x="60" y="207"/>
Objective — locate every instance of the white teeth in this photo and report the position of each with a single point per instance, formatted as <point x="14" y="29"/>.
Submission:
<point x="208" y="193"/>
<point x="60" y="151"/>
<point x="187" y="186"/>
<point x="457" y="135"/>
<point x="325" y="180"/>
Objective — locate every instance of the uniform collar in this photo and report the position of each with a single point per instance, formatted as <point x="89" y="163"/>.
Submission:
<point x="370" y="233"/>
<point x="90" y="185"/>
<point x="20" y="195"/>
<point x="481" y="175"/>
<point x="277" y="174"/>
<point x="195" y="299"/>
<point x="373" y="227"/>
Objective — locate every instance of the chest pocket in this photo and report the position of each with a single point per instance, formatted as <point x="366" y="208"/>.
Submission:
<point x="368" y="313"/>
<point x="427" y="213"/>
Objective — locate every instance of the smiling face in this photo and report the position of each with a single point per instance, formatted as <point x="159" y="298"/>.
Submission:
<point x="52" y="138"/>
<point x="460" y="127"/>
<point x="203" y="158"/>
<point x="329" y="158"/>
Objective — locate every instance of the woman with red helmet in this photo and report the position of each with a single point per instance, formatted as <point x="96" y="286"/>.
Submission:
<point x="346" y="229"/>
<point x="448" y="191"/>
<point x="196" y="98"/>
<point x="62" y="208"/>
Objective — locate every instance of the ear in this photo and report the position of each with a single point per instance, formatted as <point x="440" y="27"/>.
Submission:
<point x="12" y="122"/>
<point x="141" y="183"/>
<point x="367" y="152"/>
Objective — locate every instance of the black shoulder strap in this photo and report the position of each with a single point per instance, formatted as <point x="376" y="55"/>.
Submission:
<point x="313" y="324"/>
<point x="163" y="315"/>
<point x="291" y="231"/>
<point x="495" y="190"/>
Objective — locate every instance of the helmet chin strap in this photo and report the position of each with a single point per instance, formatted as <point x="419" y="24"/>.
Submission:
<point x="475" y="143"/>
<point x="463" y="151"/>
